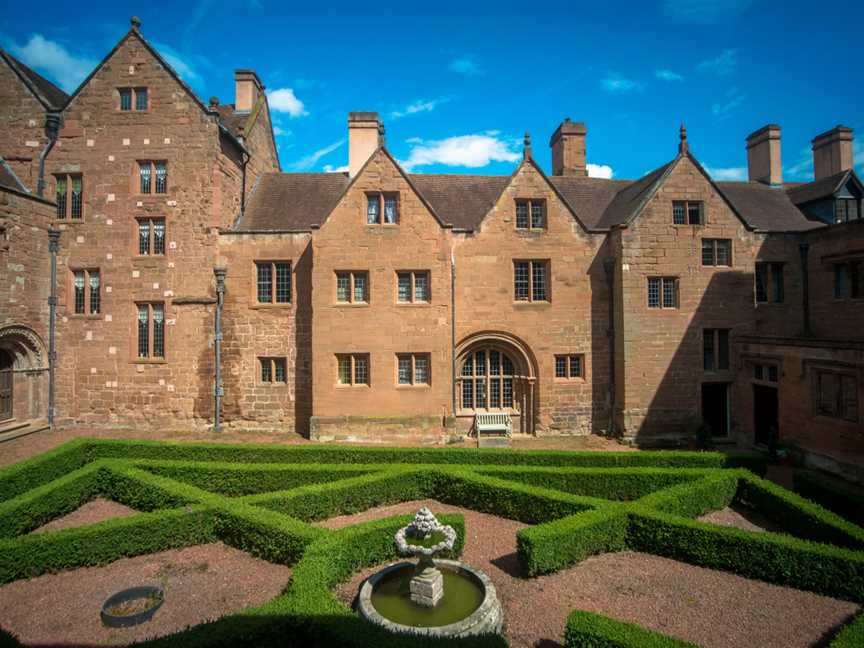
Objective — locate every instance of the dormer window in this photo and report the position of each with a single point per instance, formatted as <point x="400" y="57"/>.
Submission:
<point x="687" y="212"/>
<point x="530" y="214"/>
<point x="845" y="210"/>
<point x="382" y="209"/>
<point x="133" y="99"/>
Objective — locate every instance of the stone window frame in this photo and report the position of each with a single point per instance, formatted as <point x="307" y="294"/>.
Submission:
<point x="662" y="294"/>
<point x="412" y="377"/>
<point x="273" y="303"/>
<point x="153" y="183"/>
<point x="152" y="221"/>
<point x="380" y="199"/>
<point x="530" y="298"/>
<point x="87" y="301"/>
<point x="850" y="206"/>
<point x="762" y="372"/>
<point x="150" y="358"/>
<point x="839" y="374"/>
<point x="134" y="95"/>
<point x="352" y="300"/>
<point x="529" y="225"/>
<point x="851" y="271"/>
<point x="685" y="204"/>
<point x="715" y="247"/>
<point x="354" y="379"/>
<point x="5" y="245"/>
<point x="713" y="343"/>
<point x="269" y="368"/>
<point x="412" y="294"/>
<point x="564" y="363"/>
<point x="770" y="277"/>
<point x="66" y="207"/>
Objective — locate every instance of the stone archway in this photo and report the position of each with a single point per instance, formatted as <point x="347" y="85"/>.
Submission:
<point x="496" y="371"/>
<point x="23" y="374"/>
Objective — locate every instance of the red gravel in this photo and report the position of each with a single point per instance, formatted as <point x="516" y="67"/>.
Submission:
<point x="96" y="510"/>
<point x="741" y="517"/>
<point x="711" y="608"/>
<point x="201" y="584"/>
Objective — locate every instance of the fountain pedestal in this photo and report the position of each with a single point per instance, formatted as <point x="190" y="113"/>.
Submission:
<point x="427" y="587"/>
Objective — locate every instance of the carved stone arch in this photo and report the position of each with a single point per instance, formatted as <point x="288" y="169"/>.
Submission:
<point x="25" y="346"/>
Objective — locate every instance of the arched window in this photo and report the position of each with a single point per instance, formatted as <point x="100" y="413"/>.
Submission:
<point x="487" y="380"/>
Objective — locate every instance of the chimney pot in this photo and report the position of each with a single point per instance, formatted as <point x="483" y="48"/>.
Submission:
<point x="832" y="152"/>
<point x="365" y="135"/>
<point x="526" y="146"/>
<point x="764" y="161"/>
<point x="683" y="146"/>
<point x="247" y="89"/>
<point x="568" y="149"/>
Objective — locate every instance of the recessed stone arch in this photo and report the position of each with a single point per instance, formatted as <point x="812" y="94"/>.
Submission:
<point x="23" y="374"/>
<point x="25" y="346"/>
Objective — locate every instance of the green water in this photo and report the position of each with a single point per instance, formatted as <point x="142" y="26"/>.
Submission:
<point x="392" y="599"/>
<point x="434" y="538"/>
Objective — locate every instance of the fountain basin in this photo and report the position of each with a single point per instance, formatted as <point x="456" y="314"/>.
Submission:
<point x="470" y="605"/>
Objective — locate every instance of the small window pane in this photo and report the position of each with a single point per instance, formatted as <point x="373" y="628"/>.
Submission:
<point x="421" y="370"/>
<point x="343" y="287"/>
<point x="670" y="293"/>
<point x="694" y="213"/>
<point x="777" y="282"/>
<point x="404" y="287"/>
<point x="494" y="363"/>
<point x="391" y="209"/>
<point x="575" y="366"/>
<point x="761" y="275"/>
<point x="678" y="213"/>
<point x="266" y="370"/>
<point x="537" y="215"/>
<point x="144" y="177"/>
<point x="507" y="365"/>
<point x="468" y="394"/>
<point x="421" y="287"/>
<point x="521" y="287"/>
<point x="77" y="197"/>
<point x="494" y="394"/>
<point x="707" y="252"/>
<point x="265" y="283"/>
<point x="143" y="331"/>
<point x="79" y="291"/>
<point x="480" y="363"/>
<point x="538" y="278"/>
<point x="161" y="177"/>
<point x="359" y="287"/>
<point x="404" y="370"/>
<point x="94" y="292"/>
<point x="724" y="252"/>
<point x="758" y="371"/>
<point x="849" y="398"/>
<point x="480" y="394"/>
<point x="361" y="370"/>
<point x="560" y="366"/>
<point x="708" y="349"/>
<point x="772" y="373"/>
<point x="125" y="99"/>
<point x="141" y="99"/>
<point x="468" y="366"/>
<point x="344" y="370"/>
<point x="144" y="237"/>
<point x="507" y="392"/>
<point x="283" y="283"/>
<point x="61" y="197"/>
<point x="158" y="331"/>
<point x="158" y="236"/>
<point x="840" y="280"/>
<point x="372" y="208"/>
<point x="723" y="349"/>
<point x="856" y="279"/>
<point x="522" y="214"/>
<point x="280" y="370"/>
<point x="653" y="292"/>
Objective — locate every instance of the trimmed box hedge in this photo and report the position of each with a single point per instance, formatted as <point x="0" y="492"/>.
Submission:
<point x="831" y="494"/>
<point x="589" y="630"/>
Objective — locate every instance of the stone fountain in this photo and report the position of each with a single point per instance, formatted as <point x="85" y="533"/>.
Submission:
<point x="441" y="598"/>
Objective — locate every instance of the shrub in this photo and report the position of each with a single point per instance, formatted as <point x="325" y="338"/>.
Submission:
<point x="831" y="494"/>
<point x="852" y="636"/>
<point x="692" y="499"/>
<point x="589" y="630"/>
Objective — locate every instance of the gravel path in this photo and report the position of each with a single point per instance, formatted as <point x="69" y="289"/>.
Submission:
<point x="96" y="510"/>
<point x="711" y="608"/>
<point x="741" y="517"/>
<point x="201" y="583"/>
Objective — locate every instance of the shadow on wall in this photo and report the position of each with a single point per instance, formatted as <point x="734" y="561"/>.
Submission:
<point x="601" y="330"/>
<point x="303" y="343"/>
<point x="691" y="392"/>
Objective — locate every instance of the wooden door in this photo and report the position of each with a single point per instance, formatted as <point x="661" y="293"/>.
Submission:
<point x="5" y="386"/>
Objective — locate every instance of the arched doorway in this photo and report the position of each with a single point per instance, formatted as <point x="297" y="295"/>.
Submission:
<point x="6" y="386"/>
<point x="23" y="374"/>
<point x="495" y="372"/>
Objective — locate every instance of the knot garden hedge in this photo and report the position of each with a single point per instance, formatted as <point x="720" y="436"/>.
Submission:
<point x="262" y="498"/>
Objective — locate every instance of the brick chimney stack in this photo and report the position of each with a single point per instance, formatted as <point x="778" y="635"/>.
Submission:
<point x="365" y="135"/>
<point x="763" y="156"/>
<point x="568" y="149"/>
<point x="247" y="89"/>
<point x="832" y="152"/>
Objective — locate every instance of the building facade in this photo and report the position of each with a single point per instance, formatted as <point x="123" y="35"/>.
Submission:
<point x="378" y="304"/>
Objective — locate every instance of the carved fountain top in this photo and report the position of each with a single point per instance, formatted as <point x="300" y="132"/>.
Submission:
<point x="423" y="526"/>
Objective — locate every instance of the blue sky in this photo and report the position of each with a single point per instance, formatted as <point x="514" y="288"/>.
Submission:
<point x="459" y="83"/>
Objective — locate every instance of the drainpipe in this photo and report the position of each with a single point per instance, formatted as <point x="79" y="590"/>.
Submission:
<point x="52" y="128"/>
<point x="218" y="391"/>
<point x="609" y="268"/>
<point x="453" y="332"/>
<point x="53" y="247"/>
<point x="803" y="249"/>
<point x="245" y="158"/>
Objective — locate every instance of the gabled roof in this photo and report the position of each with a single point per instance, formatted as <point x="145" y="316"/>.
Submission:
<point x="292" y="201"/>
<point x="48" y="94"/>
<point x="461" y="200"/>
<point x="766" y="208"/>
<point x="819" y="189"/>
<point x="589" y="197"/>
<point x="630" y="200"/>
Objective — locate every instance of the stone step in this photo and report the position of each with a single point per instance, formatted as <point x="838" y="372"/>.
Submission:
<point x="493" y="442"/>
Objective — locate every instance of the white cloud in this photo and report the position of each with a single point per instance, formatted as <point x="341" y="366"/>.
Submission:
<point x="668" y="75"/>
<point x="52" y="59"/>
<point x="727" y="173"/>
<point x="704" y="12"/>
<point x="722" y="65"/>
<point x="278" y="130"/>
<point x="329" y="168"/>
<point x="466" y="66"/>
<point x="733" y="100"/>
<point x="181" y="66"/>
<point x="801" y="170"/>
<point x="599" y="171"/>
<point x="284" y="100"/>
<point x="463" y="150"/>
<point x="310" y="161"/>
<point x="417" y="106"/>
<point x="617" y="83"/>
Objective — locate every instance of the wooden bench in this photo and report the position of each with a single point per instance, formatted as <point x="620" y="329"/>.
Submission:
<point x="493" y="422"/>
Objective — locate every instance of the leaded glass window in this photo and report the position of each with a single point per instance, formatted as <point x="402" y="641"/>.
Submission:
<point x="352" y="287"/>
<point x="412" y="369"/>
<point x="352" y="369"/>
<point x="487" y="380"/>
<point x="273" y="282"/>
<point x="412" y="286"/>
<point x="531" y="280"/>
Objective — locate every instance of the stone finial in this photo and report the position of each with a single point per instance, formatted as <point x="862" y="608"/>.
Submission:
<point x="526" y="146"/>
<point x="135" y="22"/>
<point x="683" y="146"/>
<point x="214" y="102"/>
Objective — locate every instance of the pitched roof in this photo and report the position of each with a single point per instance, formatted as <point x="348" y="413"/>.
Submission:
<point x="766" y="208"/>
<point x="461" y="200"/>
<point x="9" y="179"/>
<point x="588" y="197"/>
<point x="818" y="189"/>
<point x="232" y="120"/>
<point x="291" y="201"/>
<point x="630" y="199"/>
<point x="48" y="94"/>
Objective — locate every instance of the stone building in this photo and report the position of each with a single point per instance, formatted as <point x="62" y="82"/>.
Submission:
<point x="378" y="303"/>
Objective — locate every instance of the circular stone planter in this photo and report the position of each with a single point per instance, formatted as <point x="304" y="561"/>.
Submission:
<point x="488" y="618"/>
<point x="157" y="594"/>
